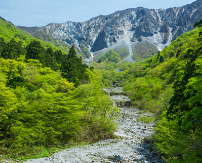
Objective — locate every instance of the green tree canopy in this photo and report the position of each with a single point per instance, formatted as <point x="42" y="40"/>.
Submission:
<point x="73" y="69"/>
<point x="50" y="60"/>
<point x="35" y="51"/>
<point x="59" y="56"/>
<point x="13" y="50"/>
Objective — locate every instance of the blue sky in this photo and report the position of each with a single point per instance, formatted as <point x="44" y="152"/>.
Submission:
<point x="43" y="12"/>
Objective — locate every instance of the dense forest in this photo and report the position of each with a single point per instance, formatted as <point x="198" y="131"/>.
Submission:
<point x="48" y="98"/>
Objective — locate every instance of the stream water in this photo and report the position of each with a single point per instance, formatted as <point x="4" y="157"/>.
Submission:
<point x="129" y="147"/>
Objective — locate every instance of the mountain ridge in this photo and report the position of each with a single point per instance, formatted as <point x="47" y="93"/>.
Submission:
<point x="157" y="26"/>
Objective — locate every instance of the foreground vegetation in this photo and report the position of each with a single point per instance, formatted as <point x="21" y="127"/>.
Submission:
<point x="48" y="99"/>
<point x="169" y="84"/>
<point x="44" y="109"/>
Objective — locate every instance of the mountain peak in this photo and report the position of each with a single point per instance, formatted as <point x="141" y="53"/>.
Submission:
<point x="127" y="27"/>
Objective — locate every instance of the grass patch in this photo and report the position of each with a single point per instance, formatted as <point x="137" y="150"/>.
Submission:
<point x="145" y="119"/>
<point x="42" y="152"/>
<point x="140" y="111"/>
<point x="39" y="152"/>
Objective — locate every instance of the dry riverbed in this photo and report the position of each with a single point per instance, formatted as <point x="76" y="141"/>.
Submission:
<point x="129" y="146"/>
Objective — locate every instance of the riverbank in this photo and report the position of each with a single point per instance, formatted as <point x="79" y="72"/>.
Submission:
<point x="129" y="145"/>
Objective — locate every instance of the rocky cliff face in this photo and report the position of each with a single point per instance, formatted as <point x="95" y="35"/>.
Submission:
<point x="157" y="26"/>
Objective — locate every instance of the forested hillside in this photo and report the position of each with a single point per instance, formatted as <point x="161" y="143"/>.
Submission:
<point x="8" y="31"/>
<point x="169" y="84"/>
<point x="48" y="98"/>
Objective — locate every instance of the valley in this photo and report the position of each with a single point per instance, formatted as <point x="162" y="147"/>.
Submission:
<point x="129" y="144"/>
<point x="123" y="87"/>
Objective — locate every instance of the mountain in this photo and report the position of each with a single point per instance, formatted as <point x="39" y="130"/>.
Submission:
<point x="9" y="31"/>
<point x="125" y="28"/>
<point x="45" y="33"/>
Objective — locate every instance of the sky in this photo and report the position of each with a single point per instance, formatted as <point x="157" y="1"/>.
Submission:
<point x="42" y="12"/>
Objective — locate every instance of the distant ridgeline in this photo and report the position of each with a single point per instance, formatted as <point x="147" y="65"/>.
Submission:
<point x="48" y="99"/>
<point x="126" y="30"/>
